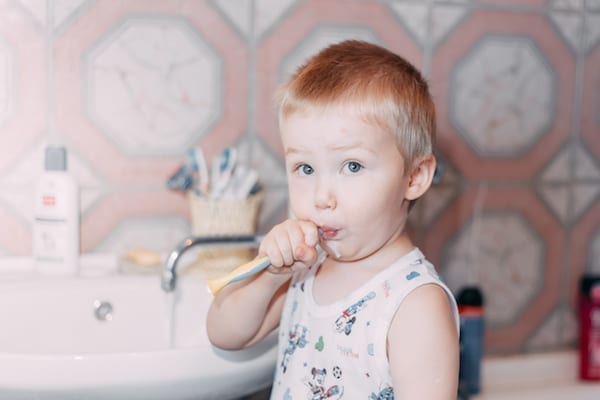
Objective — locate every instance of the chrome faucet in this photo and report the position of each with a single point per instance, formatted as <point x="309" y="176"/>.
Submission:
<point x="168" y="279"/>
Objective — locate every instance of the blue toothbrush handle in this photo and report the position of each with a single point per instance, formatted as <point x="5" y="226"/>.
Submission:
<point x="254" y="270"/>
<point x="240" y="273"/>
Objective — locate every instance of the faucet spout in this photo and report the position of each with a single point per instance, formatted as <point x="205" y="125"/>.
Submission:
<point x="168" y="280"/>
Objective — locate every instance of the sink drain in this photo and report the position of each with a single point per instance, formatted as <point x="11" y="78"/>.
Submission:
<point x="103" y="310"/>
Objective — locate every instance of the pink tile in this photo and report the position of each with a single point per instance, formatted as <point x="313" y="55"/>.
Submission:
<point x="450" y="55"/>
<point x="292" y="31"/>
<point x="579" y="241"/>
<point x="590" y="126"/>
<point x="90" y="28"/>
<point x="101" y="220"/>
<point x="26" y="117"/>
<point x="15" y="234"/>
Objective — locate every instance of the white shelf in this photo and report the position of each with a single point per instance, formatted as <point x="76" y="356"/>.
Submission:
<point x="545" y="376"/>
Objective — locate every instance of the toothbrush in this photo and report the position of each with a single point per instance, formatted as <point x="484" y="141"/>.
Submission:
<point x="255" y="266"/>
<point x="240" y="273"/>
<point x="223" y="167"/>
<point x="199" y="165"/>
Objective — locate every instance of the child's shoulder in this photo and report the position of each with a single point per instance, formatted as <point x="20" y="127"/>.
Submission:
<point x="415" y="279"/>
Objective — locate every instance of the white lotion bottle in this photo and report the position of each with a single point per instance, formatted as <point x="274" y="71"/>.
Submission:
<point x="56" y="217"/>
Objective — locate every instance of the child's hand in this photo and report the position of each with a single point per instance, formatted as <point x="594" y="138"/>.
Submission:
<point x="291" y="244"/>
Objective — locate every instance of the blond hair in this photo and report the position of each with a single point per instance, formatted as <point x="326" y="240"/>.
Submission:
<point x="370" y="82"/>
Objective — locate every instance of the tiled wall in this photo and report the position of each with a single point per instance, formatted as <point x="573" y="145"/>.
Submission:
<point x="130" y="85"/>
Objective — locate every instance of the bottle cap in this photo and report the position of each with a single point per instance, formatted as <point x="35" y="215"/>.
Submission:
<point x="470" y="296"/>
<point x="56" y="159"/>
<point x="589" y="286"/>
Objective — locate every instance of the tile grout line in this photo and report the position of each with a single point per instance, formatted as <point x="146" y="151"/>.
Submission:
<point x="51" y="134"/>
<point x="251" y="41"/>
<point x="574" y="140"/>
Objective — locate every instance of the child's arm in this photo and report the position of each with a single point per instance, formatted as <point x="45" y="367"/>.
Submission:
<point x="423" y="347"/>
<point x="245" y="312"/>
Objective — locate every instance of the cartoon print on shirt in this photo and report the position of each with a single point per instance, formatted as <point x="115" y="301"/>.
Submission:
<point x="327" y="348"/>
<point x="320" y="345"/>
<point x="387" y="393"/>
<point x="316" y="386"/>
<point x="345" y="321"/>
<point x="412" y="275"/>
<point x="387" y="288"/>
<point x="418" y="261"/>
<point x="296" y="338"/>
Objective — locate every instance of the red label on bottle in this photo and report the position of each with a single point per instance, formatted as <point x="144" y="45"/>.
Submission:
<point x="589" y="345"/>
<point x="470" y="311"/>
<point x="48" y="200"/>
<point x="595" y="293"/>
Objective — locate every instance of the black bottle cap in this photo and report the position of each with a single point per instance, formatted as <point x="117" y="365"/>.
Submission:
<point x="470" y="296"/>
<point x="587" y="281"/>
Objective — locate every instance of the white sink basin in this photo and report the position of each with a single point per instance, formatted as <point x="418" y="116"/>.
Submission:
<point x="52" y="345"/>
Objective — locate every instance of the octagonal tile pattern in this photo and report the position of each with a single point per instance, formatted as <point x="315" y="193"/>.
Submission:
<point x="153" y="77"/>
<point x="160" y="234"/>
<point x="515" y="87"/>
<point x="118" y="208"/>
<point x="559" y="330"/>
<point x="267" y="13"/>
<point x="540" y="179"/>
<point x="580" y="30"/>
<point x="503" y="240"/>
<point x="569" y="184"/>
<point x="435" y="201"/>
<point x="61" y="11"/>
<point x="590" y="119"/>
<point x="584" y="247"/>
<point x="23" y="116"/>
<point x="502" y="95"/>
<point x="151" y="105"/>
<point x="513" y="258"/>
<point x="444" y="17"/>
<point x="165" y="88"/>
<point x="23" y="93"/>
<point x="22" y="176"/>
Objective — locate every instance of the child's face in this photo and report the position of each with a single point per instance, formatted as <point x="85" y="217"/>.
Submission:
<point x="346" y="176"/>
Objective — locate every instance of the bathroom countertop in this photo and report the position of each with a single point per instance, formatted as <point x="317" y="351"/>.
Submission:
<point x="543" y="376"/>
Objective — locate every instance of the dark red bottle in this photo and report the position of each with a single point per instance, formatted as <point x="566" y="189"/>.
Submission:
<point x="589" y="327"/>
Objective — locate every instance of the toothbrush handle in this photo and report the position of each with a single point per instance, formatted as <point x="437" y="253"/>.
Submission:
<point x="242" y="272"/>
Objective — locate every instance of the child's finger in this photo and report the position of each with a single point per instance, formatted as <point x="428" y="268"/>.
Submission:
<point x="286" y="248"/>
<point x="310" y="232"/>
<point x="306" y="254"/>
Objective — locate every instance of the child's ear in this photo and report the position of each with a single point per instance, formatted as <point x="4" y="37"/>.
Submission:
<point x="420" y="178"/>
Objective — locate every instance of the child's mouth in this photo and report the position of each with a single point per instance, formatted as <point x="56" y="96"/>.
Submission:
<point x="327" y="232"/>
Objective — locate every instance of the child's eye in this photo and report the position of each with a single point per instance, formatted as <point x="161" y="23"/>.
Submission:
<point x="305" y="169"/>
<point x="353" y="167"/>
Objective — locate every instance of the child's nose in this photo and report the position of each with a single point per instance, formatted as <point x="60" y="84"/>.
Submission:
<point x="324" y="196"/>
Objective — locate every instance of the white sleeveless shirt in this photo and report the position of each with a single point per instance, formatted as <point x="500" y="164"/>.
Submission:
<point x="338" y="350"/>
